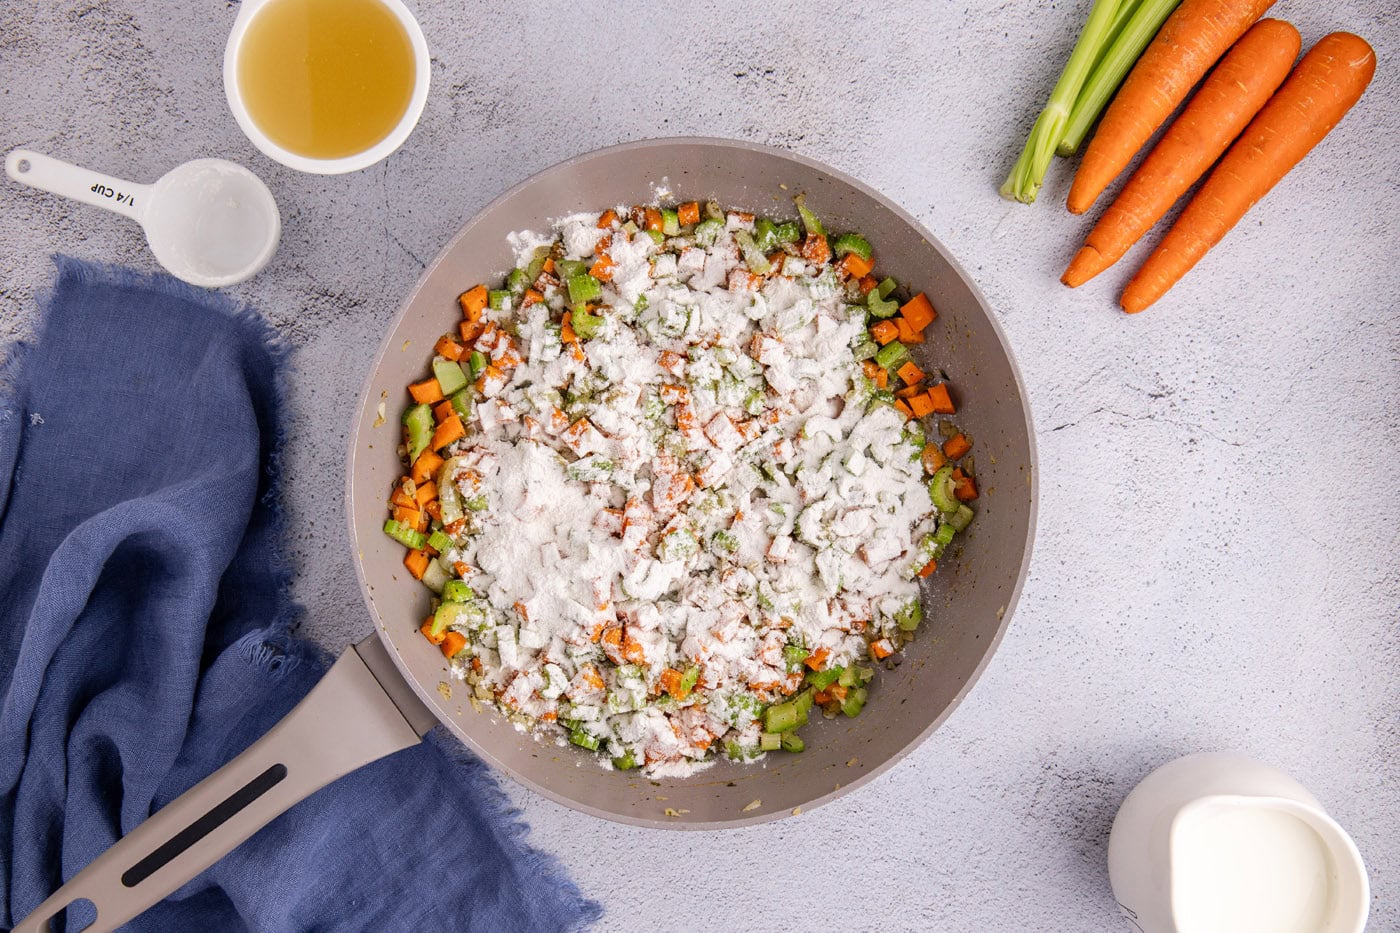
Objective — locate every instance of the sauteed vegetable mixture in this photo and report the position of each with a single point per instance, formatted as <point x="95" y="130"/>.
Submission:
<point x="675" y="482"/>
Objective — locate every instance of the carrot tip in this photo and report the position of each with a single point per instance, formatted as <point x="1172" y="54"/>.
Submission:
<point x="1087" y="263"/>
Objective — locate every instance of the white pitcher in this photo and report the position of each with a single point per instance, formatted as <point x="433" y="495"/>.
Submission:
<point x="1211" y="843"/>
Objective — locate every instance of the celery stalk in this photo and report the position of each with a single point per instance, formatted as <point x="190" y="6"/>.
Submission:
<point x="1112" y="68"/>
<point x="1026" y="177"/>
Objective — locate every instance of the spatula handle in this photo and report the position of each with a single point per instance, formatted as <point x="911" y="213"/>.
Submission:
<point x="347" y="721"/>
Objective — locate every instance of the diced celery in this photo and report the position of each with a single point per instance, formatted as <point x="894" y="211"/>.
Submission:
<point x="536" y="264"/>
<point x="940" y="490"/>
<point x="769" y="741"/>
<point x="864" y="348"/>
<point x="723" y="542"/>
<point x="878" y="306"/>
<point x="439" y="542"/>
<point x="477" y="363"/>
<point x="788" y="232"/>
<point x="823" y="679"/>
<point x="765" y="234"/>
<point x="910" y="616"/>
<point x="456" y="591"/>
<point x="886" y="287"/>
<point x="657" y="236"/>
<point x="960" y="519"/>
<point x="855" y="699"/>
<point x="405" y="534"/>
<point x="780" y="717"/>
<point x="809" y="220"/>
<point x="566" y="269"/>
<point x="583" y="288"/>
<point x="689" y="679"/>
<point x="803" y="702"/>
<point x="449" y="375"/>
<point x="852" y="243"/>
<point x="793" y="658"/>
<point x="792" y="742"/>
<point x="670" y="222"/>
<point x="476" y="503"/>
<point x="435" y="576"/>
<point x="498" y="299"/>
<point x="517" y="282"/>
<point x="445" y="616"/>
<point x="462" y="404"/>
<point x="848" y="676"/>
<point x="892" y="355"/>
<point x="584" y="739"/>
<point x="419" y="422"/>
<point x="586" y="325"/>
<point x="882" y="397"/>
<point x="944" y="534"/>
<point x="625" y="762"/>
<point x="753" y="256"/>
<point x="707" y="231"/>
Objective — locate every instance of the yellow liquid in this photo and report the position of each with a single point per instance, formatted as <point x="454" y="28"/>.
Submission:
<point x="326" y="79"/>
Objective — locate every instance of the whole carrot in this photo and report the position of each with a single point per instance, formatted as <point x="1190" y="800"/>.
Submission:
<point x="1224" y="105"/>
<point x="1191" y="40"/>
<point x="1319" y="92"/>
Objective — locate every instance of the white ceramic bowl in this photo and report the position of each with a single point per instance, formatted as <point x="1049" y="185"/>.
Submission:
<point x="388" y="144"/>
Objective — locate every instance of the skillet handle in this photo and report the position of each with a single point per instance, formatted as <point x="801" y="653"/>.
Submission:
<point x="347" y="721"/>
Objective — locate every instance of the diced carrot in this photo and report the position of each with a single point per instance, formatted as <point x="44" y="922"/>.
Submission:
<point x="867" y="284"/>
<point x="491" y="381"/>
<point x="918" y="311"/>
<point x="443" y="410"/>
<point x="671" y="682"/>
<point x="942" y="401"/>
<point x="427" y="392"/>
<point x="817" y="658"/>
<point x="425" y="467"/>
<point x="688" y="213"/>
<point x="956" y="446"/>
<point x="452" y="643"/>
<point x="603" y="245"/>
<point x="548" y="267"/>
<point x="870" y="368"/>
<point x="416" y="562"/>
<point x="965" y="489"/>
<point x="566" y="329"/>
<point x="881" y="649"/>
<point x="406" y="515"/>
<point x="882" y="378"/>
<point x="671" y="361"/>
<point x="907" y="333"/>
<point x="470" y="330"/>
<point x="448" y="347"/>
<point x="426" y="493"/>
<point x="904" y="408"/>
<point x="602" y="268"/>
<point x="651" y="219"/>
<point x="822" y="697"/>
<point x="885" y="332"/>
<point x="920" y="405"/>
<point x="434" y="509"/>
<point x="856" y="267"/>
<point x="933" y="458"/>
<point x="911" y="373"/>
<point x="473" y="302"/>
<point x="447" y="432"/>
<point x="427" y="629"/>
<point x="927" y="569"/>
<point x="607" y="219"/>
<point x="815" y="249"/>
<point x="838" y="692"/>
<point x="909" y="392"/>
<point x="461" y="569"/>
<point x="422" y="523"/>
<point x="532" y="297"/>
<point x="401" y="498"/>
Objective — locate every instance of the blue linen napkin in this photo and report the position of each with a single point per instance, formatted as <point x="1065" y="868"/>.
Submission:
<point x="144" y="639"/>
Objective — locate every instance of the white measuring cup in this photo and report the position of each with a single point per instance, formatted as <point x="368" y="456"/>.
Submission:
<point x="209" y="222"/>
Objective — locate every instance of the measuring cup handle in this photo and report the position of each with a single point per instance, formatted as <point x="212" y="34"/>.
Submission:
<point x="360" y="711"/>
<point x="58" y="177"/>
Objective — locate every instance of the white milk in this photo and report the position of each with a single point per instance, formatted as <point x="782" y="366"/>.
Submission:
<point x="1249" y="868"/>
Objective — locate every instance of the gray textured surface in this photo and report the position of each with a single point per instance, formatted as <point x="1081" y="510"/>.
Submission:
<point x="1216" y="566"/>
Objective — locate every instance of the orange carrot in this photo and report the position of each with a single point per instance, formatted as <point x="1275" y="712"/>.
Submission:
<point x="907" y="333"/>
<point x="470" y="330"/>
<point x="910" y="373"/>
<point x="933" y="458"/>
<point x="473" y="302"/>
<point x="817" y="658"/>
<point x="965" y="489"/>
<point x="918" y="311"/>
<point x="401" y="498"/>
<point x="607" y="219"/>
<point x="854" y="266"/>
<point x="427" y="629"/>
<point x="881" y="649"/>
<point x="427" y="392"/>
<point x="688" y="213"/>
<point x="602" y="268"/>
<point x="1226" y="102"/>
<point x="920" y="405"/>
<point x="651" y="219"/>
<point x="867" y="284"/>
<point x="416" y="562"/>
<point x="941" y="401"/>
<point x="452" y="643"/>
<point x="448" y="347"/>
<point x="447" y="432"/>
<point x="442" y="411"/>
<point x="870" y="368"/>
<point x="425" y="493"/>
<point x="815" y="249"/>
<point x="532" y="297"/>
<point x="1319" y="92"/>
<point x="548" y="267"/>
<point x="406" y="515"/>
<point x="1191" y="40"/>
<point x="928" y="569"/>
<point x="955" y="446"/>
<point x="904" y="408"/>
<point x="882" y="378"/>
<point x="909" y="392"/>
<point x="884" y="332"/>
<point x="425" y="466"/>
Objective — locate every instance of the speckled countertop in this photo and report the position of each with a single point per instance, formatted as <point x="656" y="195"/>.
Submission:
<point x="1216" y="566"/>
